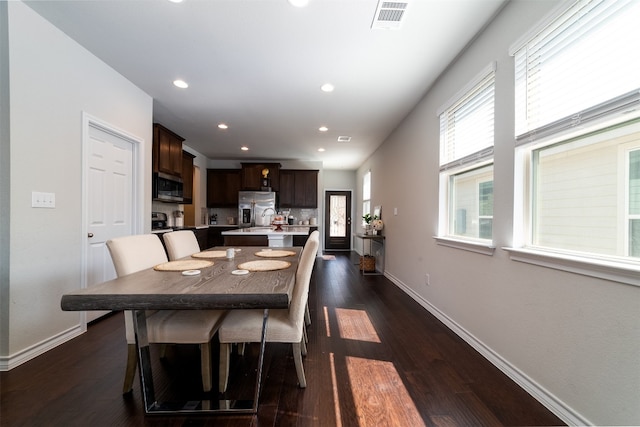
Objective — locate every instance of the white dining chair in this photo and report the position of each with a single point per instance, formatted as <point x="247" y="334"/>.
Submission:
<point x="180" y="244"/>
<point x="134" y="253"/>
<point x="283" y="325"/>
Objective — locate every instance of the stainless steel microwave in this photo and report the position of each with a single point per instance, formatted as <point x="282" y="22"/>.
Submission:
<point x="167" y="188"/>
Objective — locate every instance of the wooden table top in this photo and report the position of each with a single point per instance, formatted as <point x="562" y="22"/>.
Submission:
<point x="214" y="288"/>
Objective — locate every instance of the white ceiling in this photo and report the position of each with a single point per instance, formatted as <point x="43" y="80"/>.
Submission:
<point x="257" y="65"/>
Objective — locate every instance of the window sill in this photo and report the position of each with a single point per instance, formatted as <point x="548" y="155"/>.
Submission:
<point x="478" y="247"/>
<point x="617" y="271"/>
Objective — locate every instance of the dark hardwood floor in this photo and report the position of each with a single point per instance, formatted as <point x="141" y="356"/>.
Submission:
<point x="376" y="358"/>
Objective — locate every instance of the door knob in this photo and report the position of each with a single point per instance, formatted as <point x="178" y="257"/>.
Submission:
<point x="90" y="235"/>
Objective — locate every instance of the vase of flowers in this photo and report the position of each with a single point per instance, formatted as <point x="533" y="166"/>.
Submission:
<point x="377" y="224"/>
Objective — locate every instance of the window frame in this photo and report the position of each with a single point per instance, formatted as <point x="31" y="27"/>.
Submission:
<point x="619" y="110"/>
<point x="366" y="195"/>
<point x="458" y="166"/>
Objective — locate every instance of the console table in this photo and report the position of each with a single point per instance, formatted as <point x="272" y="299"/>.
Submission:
<point x="372" y="238"/>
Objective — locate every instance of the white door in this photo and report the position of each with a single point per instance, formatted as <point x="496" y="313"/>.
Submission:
<point x="108" y="197"/>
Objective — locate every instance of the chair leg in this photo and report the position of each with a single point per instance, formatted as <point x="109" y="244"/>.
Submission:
<point x="303" y="347"/>
<point x="241" y="347"/>
<point x="205" y="365"/>
<point x="307" y="315"/>
<point x="297" y="359"/>
<point x="130" y="372"/>
<point x="163" y="351"/>
<point x="223" y="368"/>
<point x="305" y="337"/>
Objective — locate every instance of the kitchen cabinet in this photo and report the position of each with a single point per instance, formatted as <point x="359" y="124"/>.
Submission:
<point x="202" y="236"/>
<point x="252" y="176"/>
<point x="298" y="188"/>
<point x="222" y="187"/>
<point x="302" y="240"/>
<point x="187" y="177"/>
<point x="215" y="235"/>
<point x="167" y="151"/>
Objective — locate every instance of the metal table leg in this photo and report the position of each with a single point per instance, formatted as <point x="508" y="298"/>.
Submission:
<point x="152" y="406"/>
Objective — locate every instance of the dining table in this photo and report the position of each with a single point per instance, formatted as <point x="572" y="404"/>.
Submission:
<point x="224" y="285"/>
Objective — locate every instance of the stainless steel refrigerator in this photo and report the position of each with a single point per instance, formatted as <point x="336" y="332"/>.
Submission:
<point x="255" y="208"/>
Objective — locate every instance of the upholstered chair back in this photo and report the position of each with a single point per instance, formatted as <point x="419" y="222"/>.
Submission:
<point x="303" y="278"/>
<point x="181" y="244"/>
<point x="134" y="253"/>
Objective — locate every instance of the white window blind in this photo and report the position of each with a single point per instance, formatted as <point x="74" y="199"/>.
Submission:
<point x="467" y="125"/>
<point x="581" y="67"/>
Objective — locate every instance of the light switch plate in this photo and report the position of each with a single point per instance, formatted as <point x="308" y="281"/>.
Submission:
<point x="43" y="200"/>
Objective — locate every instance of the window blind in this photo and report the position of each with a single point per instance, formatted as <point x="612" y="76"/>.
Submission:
<point x="581" y="67"/>
<point x="467" y="126"/>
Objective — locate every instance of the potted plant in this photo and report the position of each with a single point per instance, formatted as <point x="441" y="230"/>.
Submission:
<point x="367" y="219"/>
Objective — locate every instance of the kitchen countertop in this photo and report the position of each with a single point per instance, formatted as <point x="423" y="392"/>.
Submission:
<point x="262" y="231"/>
<point x="287" y="229"/>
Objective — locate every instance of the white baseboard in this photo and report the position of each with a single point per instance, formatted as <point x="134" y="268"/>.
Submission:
<point x="542" y="395"/>
<point x="9" y="362"/>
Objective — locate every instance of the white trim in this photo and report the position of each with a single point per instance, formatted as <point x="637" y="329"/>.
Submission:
<point x="467" y="245"/>
<point x="14" y="360"/>
<point x="616" y="271"/>
<point x="538" y="392"/>
<point x="483" y="74"/>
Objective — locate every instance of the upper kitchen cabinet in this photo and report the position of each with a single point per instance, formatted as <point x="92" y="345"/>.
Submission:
<point x="187" y="177"/>
<point x="252" y="174"/>
<point x="222" y="187"/>
<point x="167" y="151"/>
<point x="298" y="188"/>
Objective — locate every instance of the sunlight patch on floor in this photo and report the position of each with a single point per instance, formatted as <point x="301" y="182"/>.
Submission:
<point x="356" y="325"/>
<point x="334" y="382"/>
<point x="380" y="397"/>
<point x="325" y="310"/>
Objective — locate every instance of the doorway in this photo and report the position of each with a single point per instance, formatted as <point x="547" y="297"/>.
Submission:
<point x="108" y="198"/>
<point x="337" y="222"/>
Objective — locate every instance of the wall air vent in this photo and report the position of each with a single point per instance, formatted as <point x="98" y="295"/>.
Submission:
<point x="389" y="15"/>
<point x="344" y="139"/>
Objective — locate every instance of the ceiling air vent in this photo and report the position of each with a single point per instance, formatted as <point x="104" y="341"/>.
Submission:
<point x="389" y="15"/>
<point x="344" y="139"/>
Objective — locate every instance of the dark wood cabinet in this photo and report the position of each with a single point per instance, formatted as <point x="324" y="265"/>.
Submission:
<point x="202" y="236"/>
<point x="222" y="187"/>
<point x="187" y="177"/>
<point x="167" y="151"/>
<point x="302" y="240"/>
<point x="298" y="188"/>
<point x="215" y="235"/>
<point x="252" y="176"/>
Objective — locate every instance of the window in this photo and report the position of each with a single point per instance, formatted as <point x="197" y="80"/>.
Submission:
<point x="633" y="203"/>
<point x="366" y="194"/>
<point x="466" y="162"/>
<point x="578" y="136"/>
<point x="586" y="193"/>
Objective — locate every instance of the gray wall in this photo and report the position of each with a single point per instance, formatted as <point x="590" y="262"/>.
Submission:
<point x="52" y="81"/>
<point x="572" y="340"/>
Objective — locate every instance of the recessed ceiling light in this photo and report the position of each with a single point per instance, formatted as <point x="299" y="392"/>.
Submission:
<point x="323" y="128"/>
<point x="181" y="84"/>
<point x="321" y="149"/>
<point x="244" y="148"/>
<point x="327" y="87"/>
<point x="223" y="126"/>
<point x="175" y="1"/>
<point x="299" y="3"/>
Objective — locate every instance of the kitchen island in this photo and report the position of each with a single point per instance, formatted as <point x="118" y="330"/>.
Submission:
<point x="266" y="236"/>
